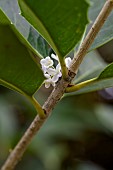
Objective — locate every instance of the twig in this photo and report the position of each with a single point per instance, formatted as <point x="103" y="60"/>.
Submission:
<point x="79" y="86"/>
<point x="58" y="91"/>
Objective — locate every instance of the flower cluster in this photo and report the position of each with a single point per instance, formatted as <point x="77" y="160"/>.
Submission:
<point x="52" y="73"/>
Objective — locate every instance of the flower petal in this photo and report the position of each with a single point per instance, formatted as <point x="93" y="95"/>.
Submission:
<point x="47" y="83"/>
<point x="47" y="62"/>
<point x="58" y="68"/>
<point x="54" y="57"/>
<point x="68" y="62"/>
<point x="51" y="71"/>
<point x="44" y="69"/>
<point x="55" y="78"/>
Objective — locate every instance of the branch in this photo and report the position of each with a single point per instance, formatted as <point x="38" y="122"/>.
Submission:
<point x="106" y="10"/>
<point x="58" y="91"/>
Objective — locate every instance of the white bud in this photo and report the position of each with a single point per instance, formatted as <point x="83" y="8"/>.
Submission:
<point x="68" y="61"/>
<point x="55" y="57"/>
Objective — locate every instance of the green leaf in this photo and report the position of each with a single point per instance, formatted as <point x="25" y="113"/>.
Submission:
<point x="61" y="23"/>
<point x="106" y="33"/>
<point x="104" y="80"/>
<point x="18" y="71"/>
<point x="12" y="10"/>
<point x="37" y="41"/>
<point x="91" y="67"/>
<point x="107" y="72"/>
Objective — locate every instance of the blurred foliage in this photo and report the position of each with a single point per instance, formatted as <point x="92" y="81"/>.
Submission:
<point x="77" y="136"/>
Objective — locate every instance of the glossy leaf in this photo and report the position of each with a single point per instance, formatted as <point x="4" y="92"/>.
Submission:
<point x="18" y="71"/>
<point x="37" y="41"/>
<point x="104" y="80"/>
<point x="12" y="10"/>
<point x="61" y="24"/>
<point x="106" y="33"/>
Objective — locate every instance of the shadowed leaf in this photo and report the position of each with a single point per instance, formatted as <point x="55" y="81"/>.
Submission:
<point x="18" y="71"/>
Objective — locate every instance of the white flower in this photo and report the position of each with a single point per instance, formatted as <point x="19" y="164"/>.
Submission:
<point x="47" y="62"/>
<point x="44" y="68"/>
<point x="68" y="61"/>
<point x="51" y="73"/>
<point x="57" y="74"/>
<point x="49" y="81"/>
<point x="55" y="57"/>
